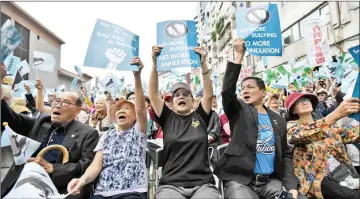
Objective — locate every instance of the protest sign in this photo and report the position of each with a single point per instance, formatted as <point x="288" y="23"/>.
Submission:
<point x="318" y="49"/>
<point x="112" y="47"/>
<point x="11" y="63"/>
<point x="10" y="39"/>
<point x="34" y="182"/>
<point x="23" y="68"/>
<point x="22" y="147"/>
<point x="178" y="39"/>
<point x="260" y="28"/>
<point x="355" y="53"/>
<point x="44" y="61"/>
<point x="19" y="89"/>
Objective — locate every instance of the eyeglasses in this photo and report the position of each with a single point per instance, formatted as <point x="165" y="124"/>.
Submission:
<point x="62" y="103"/>
<point x="185" y="94"/>
<point x="303" y="100"/>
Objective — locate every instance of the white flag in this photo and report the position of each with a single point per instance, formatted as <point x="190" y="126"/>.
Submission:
<point x="44" y="61"/>
<point x="34" y="182"/>
<point x="22" y="147"/>
<point x="316" y="41"/>
<point x="23" y="68"/>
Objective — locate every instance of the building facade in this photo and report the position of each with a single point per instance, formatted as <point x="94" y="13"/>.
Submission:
<point x="36" y="37"/>
<point x="342" y="30"/>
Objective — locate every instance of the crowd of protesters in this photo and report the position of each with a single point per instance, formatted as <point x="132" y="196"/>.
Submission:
<point x="298" y="142"/>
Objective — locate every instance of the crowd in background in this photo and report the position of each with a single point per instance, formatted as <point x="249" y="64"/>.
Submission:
<point x="295" y="141"/>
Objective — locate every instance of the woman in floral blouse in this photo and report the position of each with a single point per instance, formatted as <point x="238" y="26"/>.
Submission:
<point x="119" y="163"/>
<point x="319" y="145"/>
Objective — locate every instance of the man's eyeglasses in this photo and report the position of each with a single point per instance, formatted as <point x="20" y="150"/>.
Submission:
<point x="62" y="103"/>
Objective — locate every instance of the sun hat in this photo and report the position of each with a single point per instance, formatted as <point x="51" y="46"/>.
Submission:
<point x="292" y="98"/>
<point x="19" y="105"/>
<point x="118" y="104"/>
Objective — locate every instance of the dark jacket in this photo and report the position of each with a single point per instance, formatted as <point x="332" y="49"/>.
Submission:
<point x="80" y="140"/>
<point x="237" y="163"/>
<point x="214" y="129"/>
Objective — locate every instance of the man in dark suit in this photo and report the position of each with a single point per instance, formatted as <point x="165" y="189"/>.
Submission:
<point x="257" y="162"/>
<point x="58" y="128"/>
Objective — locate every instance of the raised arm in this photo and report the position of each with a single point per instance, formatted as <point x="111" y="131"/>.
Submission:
<point x="155" y="99"/>
<point x="140" y="109"/>
<point x="20" y="123"/>
<point x="206" y="100"/>
<point x="40" y="98"/>
<point x="230" y="102"/>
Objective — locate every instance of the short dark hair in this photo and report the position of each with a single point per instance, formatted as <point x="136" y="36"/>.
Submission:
<point x="147" y="100"/>
<point x="259" y="82"/>
<point x="129" y="94"/>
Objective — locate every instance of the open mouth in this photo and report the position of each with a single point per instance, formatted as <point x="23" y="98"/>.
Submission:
<point x="56" y="113"/>
<point x="246" y="97"/>
<point x="181" y="103"/>
<point x="121" y="117"/>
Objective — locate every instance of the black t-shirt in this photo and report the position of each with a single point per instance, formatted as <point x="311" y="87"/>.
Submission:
<point x="186" y="162"/>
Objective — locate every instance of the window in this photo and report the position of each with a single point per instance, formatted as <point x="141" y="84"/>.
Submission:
<point x="286" y="37"/>
<point x="291" y="35"/>
<point x="325" y="11"/>
<point x="248" y="60"/>
<point x="22" y="51"/>
<point x="4" y="18"/>
<point x="316" y="13"/>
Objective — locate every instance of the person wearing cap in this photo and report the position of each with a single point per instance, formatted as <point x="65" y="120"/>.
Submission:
<point x="186" y="170"/>
<point x="319" y="145"/>
<point x="322" y="108"/>
<point x="257" y="162"/>
<point x="119" y="163"/>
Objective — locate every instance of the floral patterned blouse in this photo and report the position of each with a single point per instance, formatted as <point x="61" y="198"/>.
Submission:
<point x="314" y="144"/>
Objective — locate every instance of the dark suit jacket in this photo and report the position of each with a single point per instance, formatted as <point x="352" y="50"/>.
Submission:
<point x="80" y="140"/>
<point x="237" y="163"/>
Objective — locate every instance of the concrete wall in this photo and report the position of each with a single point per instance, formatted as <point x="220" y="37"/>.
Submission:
<point x="46" y="42"/>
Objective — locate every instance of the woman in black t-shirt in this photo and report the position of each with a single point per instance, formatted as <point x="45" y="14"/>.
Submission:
<point x="186" y="170"/>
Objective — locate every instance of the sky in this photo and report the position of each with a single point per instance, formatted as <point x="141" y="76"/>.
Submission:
<point x="73" y="22"/>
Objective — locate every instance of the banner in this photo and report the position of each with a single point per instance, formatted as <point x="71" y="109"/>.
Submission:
<point x="34" y="182"/>
<point x="11" y="63"/>
<point x="246" y="72"/>
<point x="260" y="28"/>
<point x="10" y="39"/>
<point x="112" y="47"/>
<point x="354" y="51"/>
<point x="44" y="61"/>
<point x="23" y="68"/>
<point x="178" y="39"/>
<point x="318" y="49"/>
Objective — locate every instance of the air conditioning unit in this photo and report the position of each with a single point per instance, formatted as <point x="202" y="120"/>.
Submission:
<point x="288" y="39"/>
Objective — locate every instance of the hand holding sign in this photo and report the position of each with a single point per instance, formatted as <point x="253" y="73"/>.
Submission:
<point x="201" y="52"/>
<point x="116" y="56"/>
<point x="156" y="50"/>
<point x="39" y="85"/>
<point x="239" y="50"/>
<point x="137" y="61"/>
